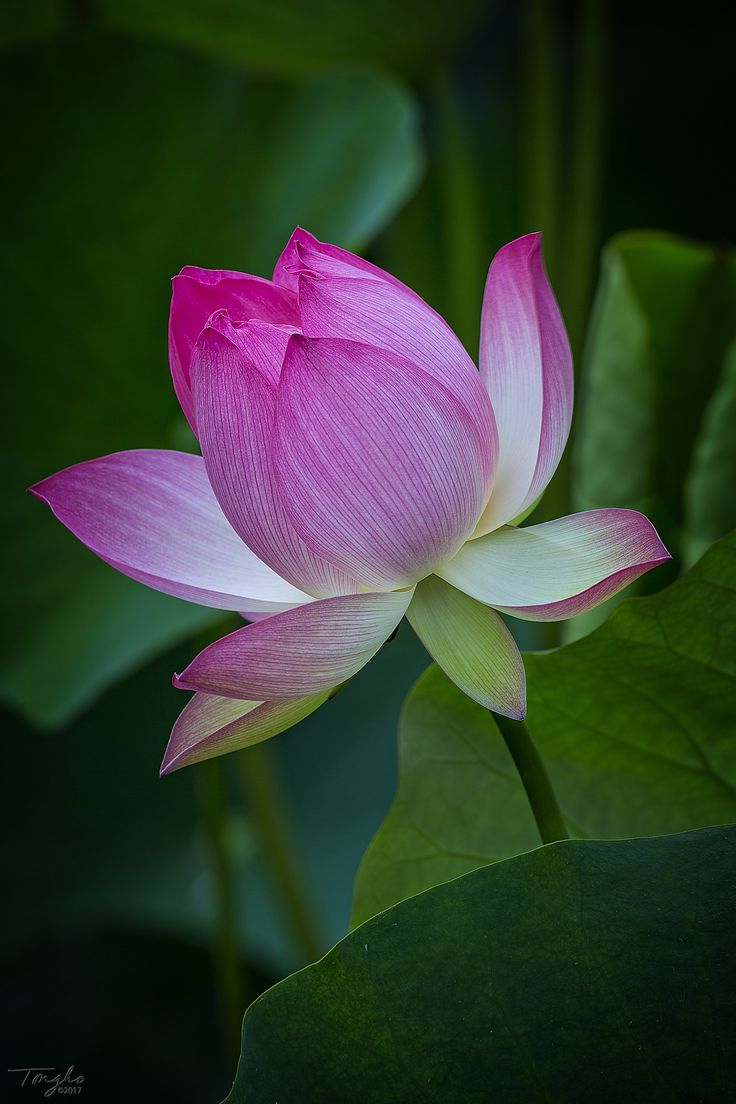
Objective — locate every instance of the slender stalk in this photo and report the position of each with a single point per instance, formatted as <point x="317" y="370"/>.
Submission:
<point x="541" y="160"/>
<point x="541" y="130"/>
<point x="581" y="237"/>
<point x="213" y="810"/>
<point x="534" y="779"/>
<point x="541" y="185"/>
<point x="581" y="223"/>
<point x="575" y="277"/>
<point x="267" y="808"/>
<point x="462" y="213"/>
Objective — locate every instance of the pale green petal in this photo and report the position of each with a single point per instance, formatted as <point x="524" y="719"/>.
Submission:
<point x="471" y="644"/>
<point x="210" y="726"/>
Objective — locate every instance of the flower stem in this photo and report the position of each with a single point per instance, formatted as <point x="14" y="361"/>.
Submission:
<point x="542" y="128"/>
<point x="462" y="212"/>
<point x="213" y="811"/>
<point x="541" y="161"/>
<point x="534" y="779"/>
<point x="267" y="808"/>
<point x="585" y="183"/>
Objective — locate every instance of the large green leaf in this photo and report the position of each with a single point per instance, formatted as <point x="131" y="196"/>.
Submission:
<point x="128" y="162"/>
<point x="665" y="313"/>
<point x="584" y="971"/>
<point x="635" y="724"/>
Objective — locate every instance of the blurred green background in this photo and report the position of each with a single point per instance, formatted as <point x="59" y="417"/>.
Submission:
<point x="142" y="136"/>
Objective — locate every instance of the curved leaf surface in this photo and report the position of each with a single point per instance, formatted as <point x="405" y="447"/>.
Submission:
<point x="581" y="971"/>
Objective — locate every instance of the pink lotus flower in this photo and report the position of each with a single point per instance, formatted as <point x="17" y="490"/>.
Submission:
<point x="355" y="467"/>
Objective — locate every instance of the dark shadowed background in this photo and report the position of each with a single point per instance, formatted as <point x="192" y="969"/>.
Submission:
<point x="140" y="136"/>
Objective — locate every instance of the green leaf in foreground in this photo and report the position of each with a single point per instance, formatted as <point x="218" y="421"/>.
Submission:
<point x="635" y="724"/>
<point x="129" y="161"/>
<point x="583" y="971"/>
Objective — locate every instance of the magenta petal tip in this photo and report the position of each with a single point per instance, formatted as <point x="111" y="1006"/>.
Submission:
<point x="165" y="769"/>
<point x="35" y="490"/>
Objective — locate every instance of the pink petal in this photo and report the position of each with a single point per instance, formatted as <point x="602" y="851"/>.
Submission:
<point x="262" y="344"/>
<point x="380" y="468"/>
<point x="210" y="726"/>
<point x="560" y="568"/>
<point x="153" y="516"/>
<point x="305" y="253"/>
<point x="300" y="652"/>
<point x="199" y="292"/>
<point x="234" y="372"/>
<point x="526" y="364"/>
<point x="341" y="295"/>
<point x="471" y="644"/>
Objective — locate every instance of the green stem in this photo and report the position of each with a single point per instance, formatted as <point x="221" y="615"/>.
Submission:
<point x="541" y="197"/>
<point x="581" y="239"/>
<point x="214" y="808"/>
<point x="581" y="233"/>
<point x="267" y="808"/>
<point x="542" y="128"/>
<point x="462" y="213"/>
<point x="534" y="779"/>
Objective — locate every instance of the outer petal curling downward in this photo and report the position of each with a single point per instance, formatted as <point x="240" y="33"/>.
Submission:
<point x="301" y="652"/>
<point x="472" y="646"/>
<point x="210" y="726"/>
<point x="152" y="515"/>
<point x="558" y="569"/>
